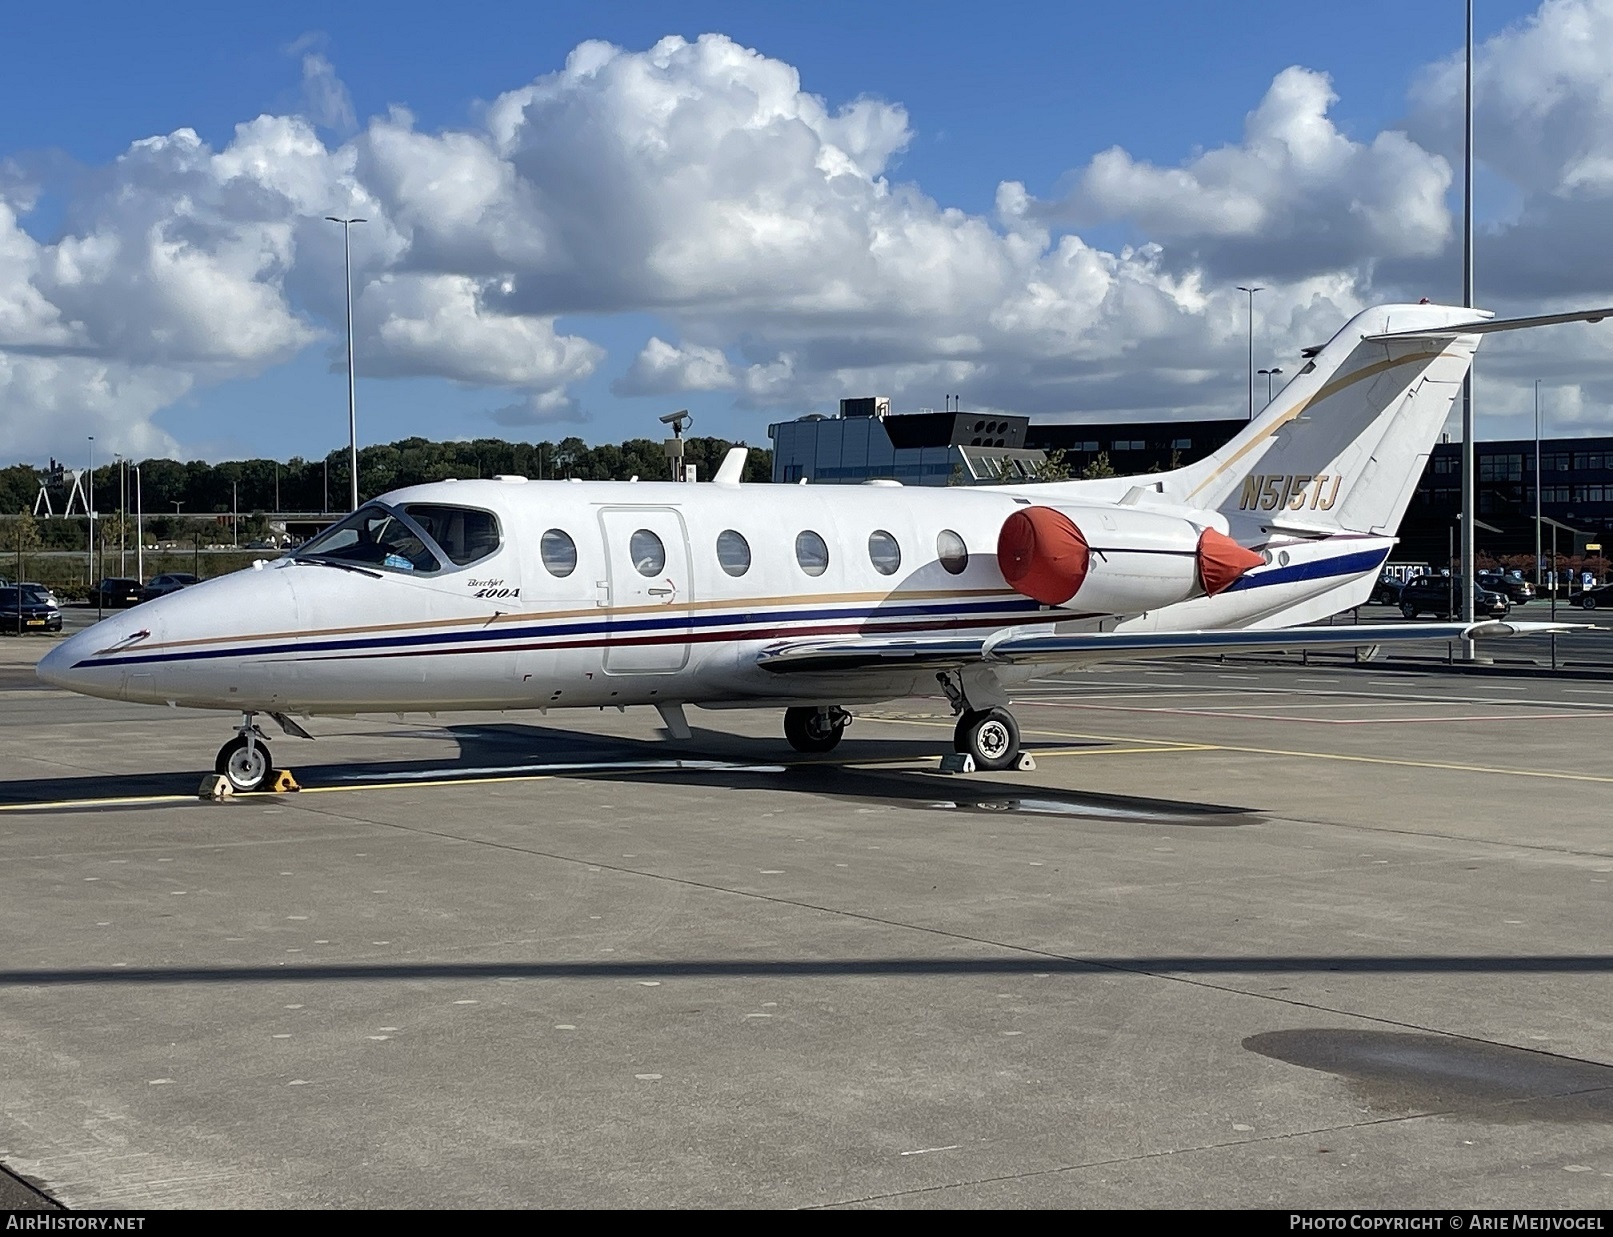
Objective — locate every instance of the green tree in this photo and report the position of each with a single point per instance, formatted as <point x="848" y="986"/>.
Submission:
<point x="21" y="536"/>
<point x="1100" y="467"/>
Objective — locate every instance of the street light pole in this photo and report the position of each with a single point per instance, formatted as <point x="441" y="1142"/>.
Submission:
<point x="89" y="506"/>
<point x="1469" y="454"/>
<point x="1251" y="291"/>
<point x="352" y="416"/>
<point x="1270" y="373"/>
<point x="139" y="530"/>
<point x="1537" y="485"/>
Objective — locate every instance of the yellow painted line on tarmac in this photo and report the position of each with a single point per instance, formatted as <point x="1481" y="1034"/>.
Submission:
<point x="124" y="801"/>
<point x="1171" y="745"/>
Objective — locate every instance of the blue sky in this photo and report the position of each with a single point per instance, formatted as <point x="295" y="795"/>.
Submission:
<point x="1028" y="94"/>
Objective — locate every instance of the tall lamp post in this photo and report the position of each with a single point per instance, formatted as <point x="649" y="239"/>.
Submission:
<point x="1538" y="580"/>
<point x="1251" y="291"/>
<point x="89" y="506"/>
<point x="1469" y="455"/>
<point x="352" y="418"/>
<point x="1270" y="374"/>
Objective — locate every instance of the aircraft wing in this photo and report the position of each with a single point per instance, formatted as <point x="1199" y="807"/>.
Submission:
<point x="951" y="651"/>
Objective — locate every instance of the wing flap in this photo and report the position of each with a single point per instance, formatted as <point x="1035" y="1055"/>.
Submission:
<point x="943" y="652"/>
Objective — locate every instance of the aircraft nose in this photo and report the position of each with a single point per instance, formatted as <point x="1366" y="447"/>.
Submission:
<point x="73" y="664"/>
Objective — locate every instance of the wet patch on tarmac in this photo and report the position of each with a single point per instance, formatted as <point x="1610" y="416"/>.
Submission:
<point x="1398" y="1071"/>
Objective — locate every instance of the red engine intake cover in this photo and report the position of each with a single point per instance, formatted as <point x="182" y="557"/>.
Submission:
<point x="1043" y="554"/>
<point x="1222" y="560"/>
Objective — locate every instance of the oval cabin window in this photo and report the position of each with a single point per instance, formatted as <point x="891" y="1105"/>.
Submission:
<point x="649" y="555"/>
<point x="733" y="552"/>
<point x="811" y="553"/>
<point x="559" y="552"/>
<point x="951" y="551"/>
<point x="883" y="552"/>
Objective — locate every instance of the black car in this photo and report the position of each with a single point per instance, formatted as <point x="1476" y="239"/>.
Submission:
<point x="1515" y="590"/>
<point x="1386" y="592"/>
<point x="171" y="582"/>
<point x="1592" y="598"/>
<point x="21" y="611"/>
<point x="115" y="593"/>
<point x="1442" y="596"/>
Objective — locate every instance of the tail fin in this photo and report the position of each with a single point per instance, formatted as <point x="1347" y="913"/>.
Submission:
<point x="1342" y="448"/>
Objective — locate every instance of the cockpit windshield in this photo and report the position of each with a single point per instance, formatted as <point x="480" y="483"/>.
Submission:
<point x="465" y="534"/>
<point x="375" y="537"/>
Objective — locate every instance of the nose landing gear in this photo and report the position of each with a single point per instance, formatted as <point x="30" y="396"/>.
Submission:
<point x="815" y="729"/>
<point x="245" y="759"/>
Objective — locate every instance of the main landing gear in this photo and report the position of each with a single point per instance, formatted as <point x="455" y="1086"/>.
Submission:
<point x="814" y="729"/>
<point x="245" y="759"/>
<point x="990" y="735"/>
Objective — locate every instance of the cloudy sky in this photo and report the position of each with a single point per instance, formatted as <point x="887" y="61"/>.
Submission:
<point x="581" y="219"/>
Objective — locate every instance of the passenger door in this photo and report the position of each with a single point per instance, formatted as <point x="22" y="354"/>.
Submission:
<point x="647" y="590"/>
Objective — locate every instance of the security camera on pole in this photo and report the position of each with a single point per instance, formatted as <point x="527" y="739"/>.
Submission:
<point x="679" y="421"/>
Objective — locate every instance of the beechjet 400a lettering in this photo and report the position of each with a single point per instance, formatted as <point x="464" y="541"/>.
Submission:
<point x="510" y="594"/>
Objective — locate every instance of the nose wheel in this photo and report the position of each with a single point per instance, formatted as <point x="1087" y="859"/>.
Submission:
<point x="991" y="736"/>
<point x="245" y="759"/>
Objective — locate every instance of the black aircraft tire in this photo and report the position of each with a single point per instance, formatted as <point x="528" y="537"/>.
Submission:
<point x="245" y="774"/>
<point x="807" y="731"/>
<point x="991" y="736"/>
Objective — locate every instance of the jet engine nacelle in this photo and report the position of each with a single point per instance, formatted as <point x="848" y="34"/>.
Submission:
<point x="1115" y="560"/>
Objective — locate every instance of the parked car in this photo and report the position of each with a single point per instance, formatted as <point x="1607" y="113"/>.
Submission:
<point x="1386" y="592"/>
<point x="23" y="611"/>
<point x="1591" y="598"/>
<point x="169" y="582"/>
<point x="41" y="592"/>
<point x="116" y="593"/>
<point x="1514" y="588"/>
<point x="1441" y="595"/>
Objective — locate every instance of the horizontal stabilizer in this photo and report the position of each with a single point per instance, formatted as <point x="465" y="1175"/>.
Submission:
<point x="944" y="652"/>
<point x="1488" y="326"/>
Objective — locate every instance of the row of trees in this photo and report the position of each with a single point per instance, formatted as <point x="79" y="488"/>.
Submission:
<point x="200" y="488"/>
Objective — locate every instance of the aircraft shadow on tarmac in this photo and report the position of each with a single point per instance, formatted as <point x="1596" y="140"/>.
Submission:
<point x="710" y="758"/>
<point x="1225" y="966"/>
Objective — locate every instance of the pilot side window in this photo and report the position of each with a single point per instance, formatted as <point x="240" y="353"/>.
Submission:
<point x="733" y="552"/>
<point x="464" y="534"/>
<point x="559" y="553"/>
<point x="648" y="554"/>
<point x="373" y="537"/>
<point x="951" y="551"/>
<point x="884" y="553"/>
<point x="811" y="553"/>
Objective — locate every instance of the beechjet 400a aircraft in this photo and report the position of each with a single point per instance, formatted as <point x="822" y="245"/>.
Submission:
<point x="511" y="594"/>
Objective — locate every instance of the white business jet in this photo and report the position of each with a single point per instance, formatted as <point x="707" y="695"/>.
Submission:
<point x="512" y="594"/>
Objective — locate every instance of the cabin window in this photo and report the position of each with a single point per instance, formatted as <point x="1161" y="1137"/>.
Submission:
<point x="648" y="554"/>
<point x="559" y="553"/>
<point x="464" y="534"/>
<point x="949" y="548"/>
<point x="811" y="553"/>
<point x="883" y="552"/>
<point x="733" y="552"/>
<point x="374" y="536"/>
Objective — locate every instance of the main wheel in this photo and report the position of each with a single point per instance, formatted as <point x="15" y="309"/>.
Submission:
<point x="1587" y="602"/>
<point x="1408" y="610"/>
<point x="991" y="736"/>
<point x="247" y="768"/>
<point x="811" y="730"/>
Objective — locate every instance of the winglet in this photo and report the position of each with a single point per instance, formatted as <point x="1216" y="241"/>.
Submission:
<point x="733" y="466"/>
